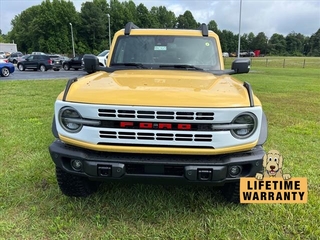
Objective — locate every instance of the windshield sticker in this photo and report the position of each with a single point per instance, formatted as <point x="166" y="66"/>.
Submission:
<point x="207" y="44"/>
<point x="160" y="48"/>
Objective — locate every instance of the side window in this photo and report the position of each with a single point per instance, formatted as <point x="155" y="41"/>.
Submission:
<point x="30" y="58"/>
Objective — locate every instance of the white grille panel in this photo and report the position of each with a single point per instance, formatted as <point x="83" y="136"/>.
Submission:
<point x="155" y="137"/>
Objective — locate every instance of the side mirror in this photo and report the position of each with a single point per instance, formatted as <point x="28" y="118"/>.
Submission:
<point x="91" y="63"/>
<point x="241" y="65"/>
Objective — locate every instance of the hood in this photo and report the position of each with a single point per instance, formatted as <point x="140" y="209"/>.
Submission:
<point x="171" y="88"/>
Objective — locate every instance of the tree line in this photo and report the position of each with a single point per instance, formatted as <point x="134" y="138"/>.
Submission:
<point x="47" y="28"/>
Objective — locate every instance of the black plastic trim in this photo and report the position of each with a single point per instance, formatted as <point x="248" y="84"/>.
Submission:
<point x="204" y="28"/>
<point x="251" y="161"/>
<point x="128" y="27"/>
<point x="69" y="83"/>
<point x="249" y="89"/>
<point x="54" y="128"/>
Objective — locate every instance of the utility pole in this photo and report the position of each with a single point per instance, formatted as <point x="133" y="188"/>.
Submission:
<point x="74" y="54"/>
<point x="108" y="15"/>
<point x="239" y="40"/>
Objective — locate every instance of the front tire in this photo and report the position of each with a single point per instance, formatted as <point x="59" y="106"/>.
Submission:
<point x="75" y="186"/>
<point x="21" y="67"/>
<point x="231" y="192"/>
<point x="66" y="67"/>
<point x="43" y="68"/>
<point x="5" y="72"/>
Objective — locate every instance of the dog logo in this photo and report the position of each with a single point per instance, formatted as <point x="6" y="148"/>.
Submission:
<point x="272" y="166"/>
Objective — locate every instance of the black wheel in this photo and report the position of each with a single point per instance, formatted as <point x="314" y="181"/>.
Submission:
<point x="75" y="186"/>
<point x="66" y="67"/>
<point x="5" y="72"/>
<point x="231" y="192"/>
<point x="43" y="68"/>
<point x="21" y="67"/>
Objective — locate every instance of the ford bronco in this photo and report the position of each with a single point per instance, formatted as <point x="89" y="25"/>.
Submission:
<point x="163" y="110"/>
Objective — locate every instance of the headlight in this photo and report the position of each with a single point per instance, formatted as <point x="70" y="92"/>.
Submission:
<point x="70" y="119"/>
<point x="244" y="125"/>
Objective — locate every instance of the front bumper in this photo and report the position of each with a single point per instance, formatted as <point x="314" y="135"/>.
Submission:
<point x="161" y="168"/>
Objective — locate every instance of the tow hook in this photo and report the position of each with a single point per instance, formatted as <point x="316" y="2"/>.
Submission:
<point x="204" y="174"/>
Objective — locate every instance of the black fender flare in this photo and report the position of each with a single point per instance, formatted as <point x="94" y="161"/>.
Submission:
<point x="54" y="128"/>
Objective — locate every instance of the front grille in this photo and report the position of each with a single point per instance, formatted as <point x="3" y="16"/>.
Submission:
<point x="157" y="115"/>
<point x="152" y="136"/>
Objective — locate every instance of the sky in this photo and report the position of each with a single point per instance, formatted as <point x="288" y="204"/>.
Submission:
<point x="268" y="16"/>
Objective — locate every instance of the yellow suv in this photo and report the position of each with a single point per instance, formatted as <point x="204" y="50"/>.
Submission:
<point x="164" y="109"/>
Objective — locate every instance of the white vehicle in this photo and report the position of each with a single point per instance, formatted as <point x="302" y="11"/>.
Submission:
<point x="38" y="53"/>
<point x="103" y="56"/>
<point x="3" y="60"/>
<point x="2" y="54"/>
<point x="225" y="54"/>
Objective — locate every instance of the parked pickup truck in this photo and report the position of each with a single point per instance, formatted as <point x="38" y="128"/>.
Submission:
<point x="163" y="110"/>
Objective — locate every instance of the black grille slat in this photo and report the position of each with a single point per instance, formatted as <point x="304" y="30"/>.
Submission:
<point x="126" y="114"/>
<point x="202" y="138"/>
<point x="107" y="113"/>
<point x="185" y="115"/>
<point x="156" y="136"/>
<point x="126" y="135"/>
<point x="146" y="114"/>
<point x="145" y="136"/>
<point x="184" y="137"/>
<point x="108" y="134"/>
<point x="205" y="116"/>
<point x="165" y="136"/>
<point x="165" y="115"/>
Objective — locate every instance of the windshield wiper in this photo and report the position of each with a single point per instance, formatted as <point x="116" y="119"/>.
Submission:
<point x="184" y="66"/>
<point x="137" y="65"/>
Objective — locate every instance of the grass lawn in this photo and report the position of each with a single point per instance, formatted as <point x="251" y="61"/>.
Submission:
<point x="32" y="206"/>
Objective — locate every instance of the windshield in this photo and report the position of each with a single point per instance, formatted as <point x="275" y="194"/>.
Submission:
<point x="167" y="51"/>
<point x="102" y="54"/>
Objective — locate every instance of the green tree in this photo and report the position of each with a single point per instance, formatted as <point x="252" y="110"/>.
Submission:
<point x="250" y="39"/>
<point x="93" y="28"/>
<point x="212" y="25"/>
<point x="244" y="42"/>
<point x="143" y="17"/>
<point x="277" y="44"/>
<point x="229" y="41"/>
<point x="44" y="27"/>
<point x="294" y="43"/>
<point x="162" y="18"/>
<point x="186" y="21"/>
<point x="260" y="42"/>
<point x="314" y="44"/>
